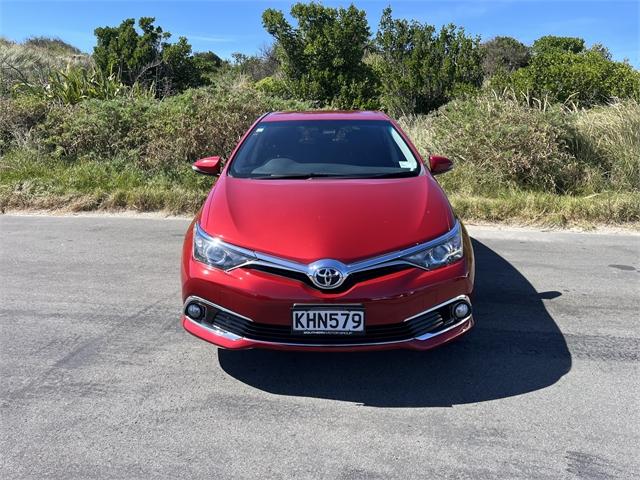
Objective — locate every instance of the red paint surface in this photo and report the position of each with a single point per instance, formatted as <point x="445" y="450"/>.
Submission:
<point x="208" y="165"/>
<point x="308" y="220"/>
<point x="439" y="164"/>
<point x="305" y="220"/>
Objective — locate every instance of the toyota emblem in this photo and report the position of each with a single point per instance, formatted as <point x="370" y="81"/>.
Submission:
<point x="327" y="274"/>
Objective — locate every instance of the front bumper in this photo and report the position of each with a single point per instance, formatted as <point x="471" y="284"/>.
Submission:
<point x="426" y="330"/>
<point x="264" y="299"/>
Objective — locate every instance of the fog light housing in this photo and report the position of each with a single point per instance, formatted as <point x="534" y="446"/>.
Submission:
<point x="195" y="311"/>
<point x="461" y="310"/>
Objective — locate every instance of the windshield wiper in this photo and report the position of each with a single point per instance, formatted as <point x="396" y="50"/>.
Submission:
<point x="381" y="175"/>
<point x="388" y="175"/>
<point x="297" y="176"/>
<point x="303" y="176"/>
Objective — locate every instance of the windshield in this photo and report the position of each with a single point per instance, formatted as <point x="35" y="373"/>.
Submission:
<point x="324" y="148"/>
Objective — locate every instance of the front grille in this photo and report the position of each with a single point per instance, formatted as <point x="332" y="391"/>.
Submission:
<point x="350" y="281"/>
<point x="430" y="322"/>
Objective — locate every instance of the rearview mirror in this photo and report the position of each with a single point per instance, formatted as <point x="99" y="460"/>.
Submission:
<point x="207" y="166"/>
<point x="439" y="164"/>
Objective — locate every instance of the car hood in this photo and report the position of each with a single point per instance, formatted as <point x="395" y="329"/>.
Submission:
<point x="308" y="220"/>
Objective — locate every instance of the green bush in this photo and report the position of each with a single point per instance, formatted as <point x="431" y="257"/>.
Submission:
<point x="146" y="57"/>
<point x="18" y="118"/>
<point x="552" y="43"/>
<point x="499" y="143"/>
<point x="274" y="86"/>
<point x="207" y="121"/>
<point x="257" y="67"/>
<point x="583" y="79"/>
<point x="154" y="134"/>
<point x="99" y="130"/>
<point x="503" y="54"/>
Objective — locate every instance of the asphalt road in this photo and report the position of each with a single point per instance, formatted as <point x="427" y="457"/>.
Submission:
<point x="100" y="381"/>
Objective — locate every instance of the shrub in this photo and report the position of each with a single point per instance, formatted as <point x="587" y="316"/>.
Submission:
<point x="274" y="86"/>
<point x="99" y="130"/>
<point x="500" y="143"/>
<point x="207" y="64"/>
<point x="552" y="43"/>
<point x="608" y="137"/>
<point x="152" y="134"/>
<point x="505" y="54"/>
<point x="75" y="84"/>
<point x="257" y="67"/>
<point x="583" y="79"/>
<point x="18" y="118"/>
<point x="207" y="121"/>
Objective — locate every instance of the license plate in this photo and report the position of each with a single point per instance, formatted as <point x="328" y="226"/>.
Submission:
<point x="345" y="320"/>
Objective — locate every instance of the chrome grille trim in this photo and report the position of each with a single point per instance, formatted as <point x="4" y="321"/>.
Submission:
<point x="380" y="261"/>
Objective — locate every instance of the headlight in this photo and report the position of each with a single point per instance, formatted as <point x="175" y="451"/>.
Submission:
<point x="440" y="254"/>
<point x="215" y="253"/>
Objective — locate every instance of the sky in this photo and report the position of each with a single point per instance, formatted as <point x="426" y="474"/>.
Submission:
<point x="235" y="26"/>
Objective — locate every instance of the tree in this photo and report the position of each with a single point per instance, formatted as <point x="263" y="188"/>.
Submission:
<point x="322" y="56"/>
<point x="601" y="50"/>
<point x="122" y="50"/>
<point x="265" y="64"/>
<point x="550" y="43"/>
<point x="179" y="67"/>
<point x="503" y="54"/>
<point x="207" y="63"/>
<point x="421" y="69"/>
<point x="146" y="57"/>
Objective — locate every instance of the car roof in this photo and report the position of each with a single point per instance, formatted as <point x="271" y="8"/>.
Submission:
<point x="324" y="115"/>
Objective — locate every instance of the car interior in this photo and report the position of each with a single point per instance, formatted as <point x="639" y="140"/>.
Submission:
<point x="276" y="148"/>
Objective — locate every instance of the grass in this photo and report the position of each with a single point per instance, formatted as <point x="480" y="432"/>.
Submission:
<point x="27" y="181"/>
<point x="35" y="59"/>
<point x="536" y="208"/>
<point x="30" y="182"/>
<point x="610" y="136"/>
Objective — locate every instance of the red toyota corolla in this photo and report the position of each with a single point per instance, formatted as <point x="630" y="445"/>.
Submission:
<point x="325" y="231"/>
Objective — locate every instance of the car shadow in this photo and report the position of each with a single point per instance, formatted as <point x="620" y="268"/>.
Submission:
<point x="515" y="348"/>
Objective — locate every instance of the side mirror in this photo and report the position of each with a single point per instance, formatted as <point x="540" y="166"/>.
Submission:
<point x="207" y="166"/>
<point x="439" y="164"/>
